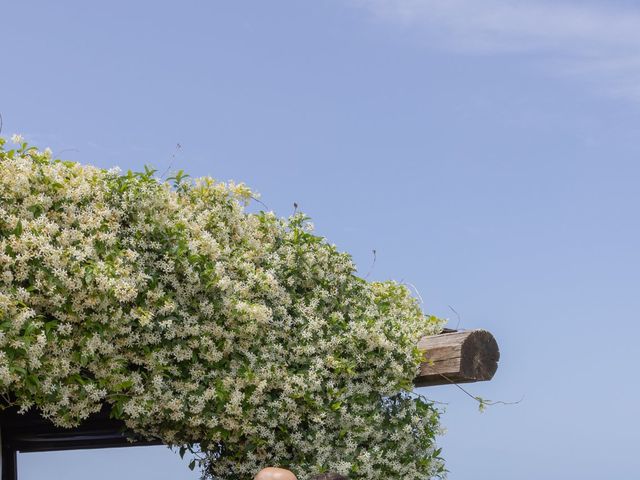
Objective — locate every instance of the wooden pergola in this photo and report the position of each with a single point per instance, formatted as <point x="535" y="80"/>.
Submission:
<point x="451" y="357"/>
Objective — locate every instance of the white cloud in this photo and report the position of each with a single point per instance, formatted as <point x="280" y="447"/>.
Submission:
<point x="596" y="42"/>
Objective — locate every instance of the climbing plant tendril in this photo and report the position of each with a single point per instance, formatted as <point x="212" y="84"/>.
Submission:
<point x="238" y="335"/>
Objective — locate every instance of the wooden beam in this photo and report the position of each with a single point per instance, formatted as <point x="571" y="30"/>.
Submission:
<point x="30" y="432"/>
<point x="458" y="357"/>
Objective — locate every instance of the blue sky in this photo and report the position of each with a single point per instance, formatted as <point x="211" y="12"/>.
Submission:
<point x="486" y="150"/>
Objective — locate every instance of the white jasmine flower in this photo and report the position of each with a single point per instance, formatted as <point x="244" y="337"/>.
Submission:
<point x="238" y="327"/>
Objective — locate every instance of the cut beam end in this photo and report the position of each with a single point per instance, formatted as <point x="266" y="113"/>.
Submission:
<point x="458" y="357"/>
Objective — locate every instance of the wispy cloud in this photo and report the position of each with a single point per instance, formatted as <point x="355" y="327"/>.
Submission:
<point x="597" y="42"/>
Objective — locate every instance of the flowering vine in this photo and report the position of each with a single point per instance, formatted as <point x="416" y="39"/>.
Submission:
<point x="239" y="335"/>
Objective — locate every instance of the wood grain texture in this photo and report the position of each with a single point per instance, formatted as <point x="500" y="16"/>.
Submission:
<point x="458" y="357"/>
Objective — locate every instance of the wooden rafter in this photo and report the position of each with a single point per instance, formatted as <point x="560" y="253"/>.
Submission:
<point x="451" y="357"/>
<point x="458" y="357"/>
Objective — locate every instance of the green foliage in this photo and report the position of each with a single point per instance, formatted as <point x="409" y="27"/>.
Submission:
<point x="238" y="335"/>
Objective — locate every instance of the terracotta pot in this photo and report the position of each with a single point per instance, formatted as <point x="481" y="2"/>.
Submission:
<point x="272" y="473"/>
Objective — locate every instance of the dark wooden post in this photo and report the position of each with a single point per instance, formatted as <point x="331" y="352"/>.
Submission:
<point x="9" y="462"/>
